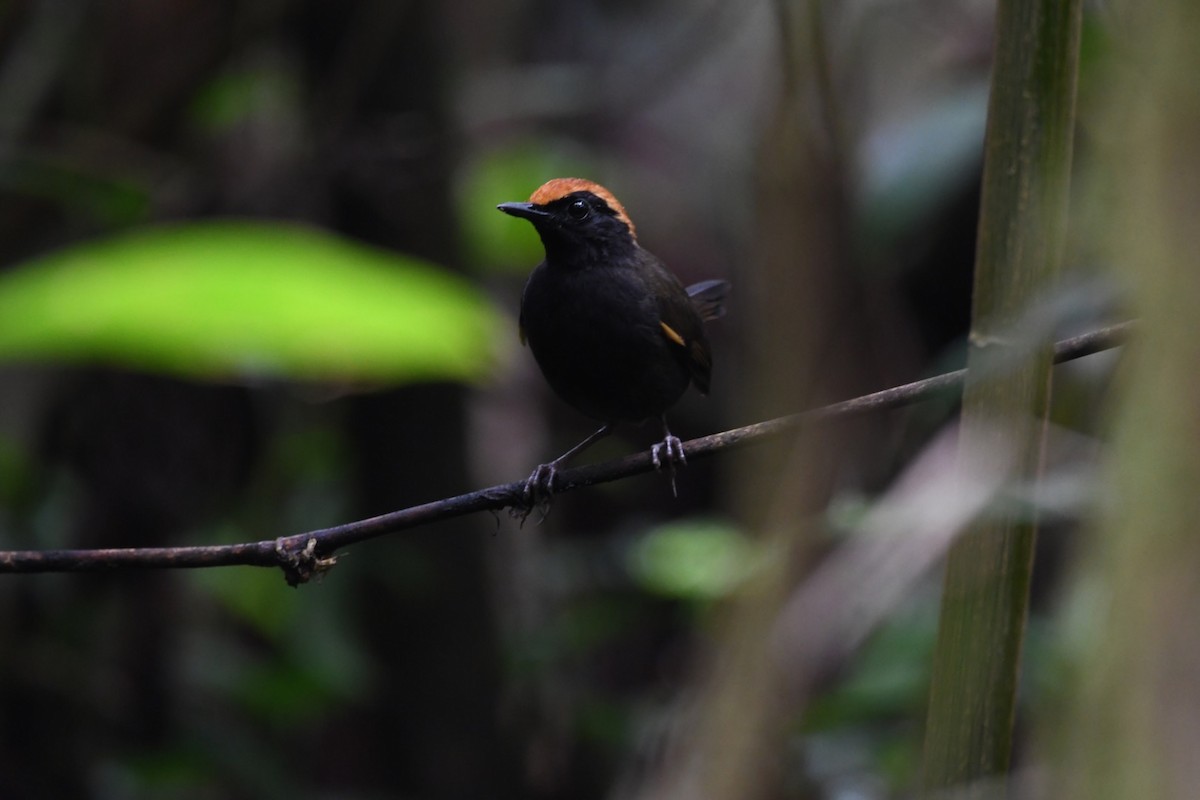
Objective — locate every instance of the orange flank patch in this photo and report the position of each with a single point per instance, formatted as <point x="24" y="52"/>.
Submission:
<point x="672" y="335"/>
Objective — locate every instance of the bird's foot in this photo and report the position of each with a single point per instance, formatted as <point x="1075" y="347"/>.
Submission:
<point x="668" y="454"/>
<point x="537" y="492"/>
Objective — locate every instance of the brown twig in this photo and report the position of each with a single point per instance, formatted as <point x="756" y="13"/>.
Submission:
<point x="303" y="555"/>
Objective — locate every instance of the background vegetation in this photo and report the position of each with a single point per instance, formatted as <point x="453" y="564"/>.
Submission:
<point x="252" y="282"/>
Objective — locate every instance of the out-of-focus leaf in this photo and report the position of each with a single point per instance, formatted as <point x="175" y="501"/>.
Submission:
<point x="223" y="300"/>
<point x="14" y="473"/>
<point x="604" y="722"/>
<point x="232" y="97"/>
<point x="911" y="168"/>
<point x="316" y="656"/>
<point x="888" y="679"/>
<point x="696" y="559"/>
<point x="288" y="693"/>
<point x="496" y="241"/>
<point x="251" y="597"/>
<point x="108" y="196"/>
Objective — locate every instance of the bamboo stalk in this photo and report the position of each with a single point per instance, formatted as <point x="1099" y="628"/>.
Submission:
<point x="1132" y="729"/>
<point x="1022" y="223"/>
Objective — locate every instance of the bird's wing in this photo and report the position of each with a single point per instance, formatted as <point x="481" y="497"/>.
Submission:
<point x="683" y="326"/>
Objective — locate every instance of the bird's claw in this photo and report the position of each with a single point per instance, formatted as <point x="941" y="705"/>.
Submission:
<point x="539" y="486"/>
<point x="668" y="453"/>
<point x="536" y="492"/>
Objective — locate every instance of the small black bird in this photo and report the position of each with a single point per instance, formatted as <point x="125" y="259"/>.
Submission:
<point x="616" y="334"/>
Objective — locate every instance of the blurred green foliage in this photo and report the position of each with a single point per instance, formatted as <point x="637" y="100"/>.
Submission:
<point x="696" y="559"/>
<point x="103" y="196"/>
<point x="496" y="242"/>
<point x="14" y="474"/>
<point x="230" y="299"/>
<point x="313" y="662"/>
<point x="889" y="677"/>
<point x="233" y="97"/>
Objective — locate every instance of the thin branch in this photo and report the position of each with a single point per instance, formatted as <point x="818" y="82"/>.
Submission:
<point x="303" y="555"/>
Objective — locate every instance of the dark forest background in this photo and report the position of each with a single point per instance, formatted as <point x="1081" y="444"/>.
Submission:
<point x="826" y="164"/>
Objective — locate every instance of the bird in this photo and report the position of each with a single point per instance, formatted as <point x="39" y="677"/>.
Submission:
<point x="615" y="333"/>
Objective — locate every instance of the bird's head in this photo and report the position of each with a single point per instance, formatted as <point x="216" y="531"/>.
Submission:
<point x="580" y="222"/>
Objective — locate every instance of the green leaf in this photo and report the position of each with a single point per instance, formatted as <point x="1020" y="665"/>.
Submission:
<point x="692" y="559"/>
<point x="229" y="299"/>
<point x="496" y="242"/>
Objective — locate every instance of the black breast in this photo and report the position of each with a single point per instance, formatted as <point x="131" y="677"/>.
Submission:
<point x="595" y="333"/>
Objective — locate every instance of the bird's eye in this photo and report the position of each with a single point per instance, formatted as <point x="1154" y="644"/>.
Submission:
<point x="579" y="209"/>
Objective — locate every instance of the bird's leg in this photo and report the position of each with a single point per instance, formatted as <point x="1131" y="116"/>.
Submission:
<point x="539" y="486"/>
<point x="668" y="452"/>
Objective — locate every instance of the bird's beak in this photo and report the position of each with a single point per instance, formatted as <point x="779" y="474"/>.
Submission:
<point x="527" y="210"/>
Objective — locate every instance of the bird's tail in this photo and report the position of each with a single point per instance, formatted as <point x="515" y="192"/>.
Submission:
<point x="709" y="298"/>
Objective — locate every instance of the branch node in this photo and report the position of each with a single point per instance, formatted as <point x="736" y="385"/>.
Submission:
<point x="299" y="565"/>
<point x="984" y="340"/>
